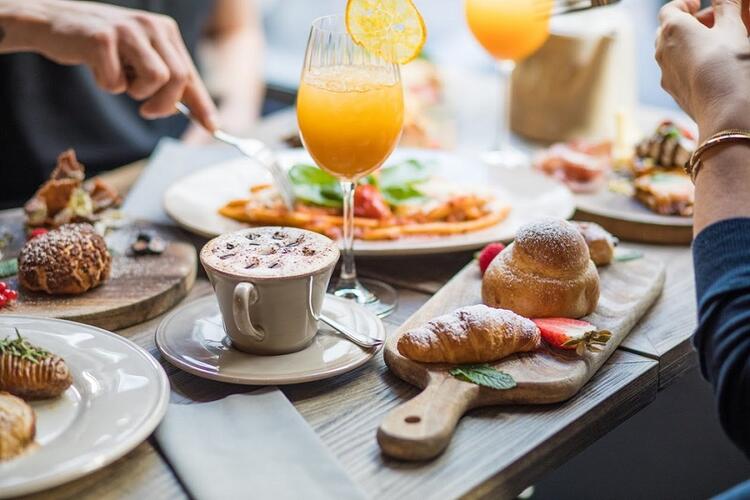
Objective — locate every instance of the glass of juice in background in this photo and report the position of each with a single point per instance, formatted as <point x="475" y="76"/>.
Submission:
<point x="510" y="30"/>
<point x="350" y="109"/>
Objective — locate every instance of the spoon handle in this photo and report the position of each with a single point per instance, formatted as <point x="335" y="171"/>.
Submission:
<point x="357" y="338"/>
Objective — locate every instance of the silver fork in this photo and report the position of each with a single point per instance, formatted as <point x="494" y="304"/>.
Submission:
<point x="560" y="7"/>
<point x="257" y="151"/>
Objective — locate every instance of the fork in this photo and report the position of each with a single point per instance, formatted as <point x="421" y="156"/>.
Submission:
<point x="560" y="7"/>
<point x="257" y="151"/>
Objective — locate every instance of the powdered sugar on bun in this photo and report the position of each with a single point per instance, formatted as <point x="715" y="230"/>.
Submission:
<point x="546" y="272"/>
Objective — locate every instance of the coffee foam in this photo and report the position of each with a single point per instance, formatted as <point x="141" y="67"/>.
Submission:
<point x="270" y="252"/>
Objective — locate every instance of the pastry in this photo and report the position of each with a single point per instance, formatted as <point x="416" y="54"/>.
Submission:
<point x="17" y="426"/>
<point x="65" y="198"/>
<point x="473" y="334"/>
<point x="601" y="243"/>
<point x="546" y="272"/>
<point x="669" y="192"/>
<point x="30" y="372"/>
<point x="70" y="260"/>
<point x="669" y="146"/>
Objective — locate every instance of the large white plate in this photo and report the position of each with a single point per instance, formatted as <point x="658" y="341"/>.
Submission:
<point x="193" y="202"/>
<point x="118" y="397"/>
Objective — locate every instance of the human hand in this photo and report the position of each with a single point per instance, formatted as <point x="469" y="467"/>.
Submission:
<point x="705" y="61"/>
<point x="127" y="50"/>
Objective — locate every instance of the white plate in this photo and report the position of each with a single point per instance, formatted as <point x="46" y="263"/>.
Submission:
<point x="118" y="397"/>
<point x="192" y="338"/>
<point x="193" y="202"/>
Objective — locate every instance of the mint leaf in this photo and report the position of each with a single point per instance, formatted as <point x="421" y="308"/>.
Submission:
<point x="8" y="268"/>
<point x="315" y="186"/>
<point x="484" y="375"/>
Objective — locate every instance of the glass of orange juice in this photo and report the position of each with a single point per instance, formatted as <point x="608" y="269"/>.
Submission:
<point x="510" y="30"/>
<point x="350" y="110"/>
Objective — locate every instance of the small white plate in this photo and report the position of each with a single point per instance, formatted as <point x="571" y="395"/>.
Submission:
<point x="193" y="202"/>
<point x="192" y="338"/>
<point x="118" y="397"/>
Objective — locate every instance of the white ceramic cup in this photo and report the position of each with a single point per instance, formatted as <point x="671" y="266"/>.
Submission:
<point x="271" y="315"/>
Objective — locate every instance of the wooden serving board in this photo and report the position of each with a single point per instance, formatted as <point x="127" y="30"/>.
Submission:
<point x="422" y="427"/>
<point x="138" y="289"/>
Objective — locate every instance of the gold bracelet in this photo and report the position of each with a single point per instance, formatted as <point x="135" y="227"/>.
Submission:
<point x="693" y="166"/>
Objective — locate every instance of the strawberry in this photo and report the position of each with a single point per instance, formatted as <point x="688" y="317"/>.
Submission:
<point x="37" y="232"/>
<point x="569" y="334"/>
<point x="487" y="254"/>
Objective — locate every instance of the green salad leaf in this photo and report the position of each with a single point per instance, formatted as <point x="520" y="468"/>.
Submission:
<point x="313" y="185"/>
<point x="397" y="183"/>
<point x="484" y="375"/>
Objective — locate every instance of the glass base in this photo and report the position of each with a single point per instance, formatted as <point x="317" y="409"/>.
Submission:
<point x="507" y="158"/>
<point x="380" y="298"/>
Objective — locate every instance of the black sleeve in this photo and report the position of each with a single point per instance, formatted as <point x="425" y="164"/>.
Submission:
<point x="721" y="255"/>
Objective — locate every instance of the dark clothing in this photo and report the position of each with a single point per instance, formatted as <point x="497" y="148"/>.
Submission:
<point x="722" y="274"/>
<point x="46" y="108"/>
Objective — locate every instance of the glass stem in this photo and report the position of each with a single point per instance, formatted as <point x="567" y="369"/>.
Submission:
<point x="348" y="277"/>
<point x="502" y="137"/>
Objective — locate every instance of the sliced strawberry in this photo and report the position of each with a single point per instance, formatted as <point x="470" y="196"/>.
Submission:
<point x="572" y="334"/>
<point x="487" y="254"/>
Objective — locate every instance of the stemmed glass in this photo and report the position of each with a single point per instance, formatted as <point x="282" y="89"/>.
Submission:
<point x="510" y="30"/>
<point x="350" y="111"/>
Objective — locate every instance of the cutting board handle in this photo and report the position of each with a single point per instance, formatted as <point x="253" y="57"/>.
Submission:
<point x="421" y="428"/>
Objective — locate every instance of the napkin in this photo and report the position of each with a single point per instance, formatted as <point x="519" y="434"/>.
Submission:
<point x="170" y="161"/>
<point x="251" y="445"/>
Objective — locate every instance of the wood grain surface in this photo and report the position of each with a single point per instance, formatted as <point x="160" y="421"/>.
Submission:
<point x="422" y="427"/>
<point x="138" y="289"/>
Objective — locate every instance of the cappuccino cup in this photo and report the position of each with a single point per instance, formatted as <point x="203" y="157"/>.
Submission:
<point x="270" y="283"/>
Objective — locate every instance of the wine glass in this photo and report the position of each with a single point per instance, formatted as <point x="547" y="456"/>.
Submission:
<point x="510" y="30"/>
<point x="350" y="109"/>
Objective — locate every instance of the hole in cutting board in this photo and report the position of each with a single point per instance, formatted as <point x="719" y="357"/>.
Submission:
<point x="412" y="419"/>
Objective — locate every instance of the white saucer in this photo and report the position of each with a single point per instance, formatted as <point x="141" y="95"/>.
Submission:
<point x="192" y="338"/>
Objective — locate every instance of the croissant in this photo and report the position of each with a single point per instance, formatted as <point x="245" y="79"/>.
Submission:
<point x="30" y="372"/>
<point x="473" y="334"/>
<point x="17" y="425"/>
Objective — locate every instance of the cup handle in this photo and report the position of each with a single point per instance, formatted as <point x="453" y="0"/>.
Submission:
<point x="310" y="308"/>
<point x="245" y="295"/>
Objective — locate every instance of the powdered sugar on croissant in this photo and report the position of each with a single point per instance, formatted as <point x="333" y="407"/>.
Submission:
<point x="473" y="334"/>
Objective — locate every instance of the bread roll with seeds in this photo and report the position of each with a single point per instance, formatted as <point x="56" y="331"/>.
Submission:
<point x="66" y="261"/>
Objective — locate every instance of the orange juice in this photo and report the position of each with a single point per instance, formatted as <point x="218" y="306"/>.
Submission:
<point x="350" y="118"/>
<point x="509" y="29"/>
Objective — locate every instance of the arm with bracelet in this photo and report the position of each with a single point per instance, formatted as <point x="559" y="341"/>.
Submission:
<point x="705" y="60"/>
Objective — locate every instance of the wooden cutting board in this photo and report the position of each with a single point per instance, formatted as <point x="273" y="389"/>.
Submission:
<point x="421" y="428"/>
<point x="139" y="288"/>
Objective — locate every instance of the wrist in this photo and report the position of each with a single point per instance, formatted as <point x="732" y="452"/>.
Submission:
<point x="22" y="23"/>
<point x="737" y="118"/>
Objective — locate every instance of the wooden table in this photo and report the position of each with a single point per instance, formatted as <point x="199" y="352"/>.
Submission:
<point x="496" y="451"/>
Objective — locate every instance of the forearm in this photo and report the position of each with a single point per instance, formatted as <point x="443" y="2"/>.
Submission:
<point x="722" y="189"/>
<point x="20" y="25"/>
<point x="721" y="254"/>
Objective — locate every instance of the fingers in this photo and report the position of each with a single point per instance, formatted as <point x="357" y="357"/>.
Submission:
<point x="728" y="15"/>
<point x="150" y="72"/>
<point x="678" y="9"/>
<point x="706" y="17"/>
<point x="162" y="103"/>
<point x="105" y="63"/>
